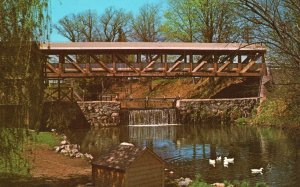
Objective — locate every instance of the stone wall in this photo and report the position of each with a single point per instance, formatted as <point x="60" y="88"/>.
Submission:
<point x="215" y="109"/>
<point x="101" y="113"/>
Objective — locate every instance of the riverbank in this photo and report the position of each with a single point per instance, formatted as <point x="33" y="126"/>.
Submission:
<point x="48" y="168"/>
<point x="54" y="167"/>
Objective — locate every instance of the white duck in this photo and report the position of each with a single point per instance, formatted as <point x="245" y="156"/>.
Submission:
<point x="257" y="170"/>
<point x="229" y="160"/>
<point x="219" y="158"/>
<point x="225" y="164"/>
<point x="212" y="162"/>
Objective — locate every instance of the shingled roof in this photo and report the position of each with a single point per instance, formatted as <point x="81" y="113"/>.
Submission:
<point x="122" y="156"/>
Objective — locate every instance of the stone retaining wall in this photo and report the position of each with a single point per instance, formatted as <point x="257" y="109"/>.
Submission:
<point x="215" y="109"/>
<point x="101" y="113"/>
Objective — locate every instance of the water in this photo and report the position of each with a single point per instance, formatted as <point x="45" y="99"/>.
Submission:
<point x="187" y="148"/>
<point x="152" y="117"/>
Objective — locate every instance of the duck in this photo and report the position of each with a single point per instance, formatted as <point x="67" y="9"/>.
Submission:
<point x="229" y="160"/>
<point x="257" y="170"/>
<point x="219" y="158"/>
<point x="212" y="162"/>
<point x="225" y="164"/>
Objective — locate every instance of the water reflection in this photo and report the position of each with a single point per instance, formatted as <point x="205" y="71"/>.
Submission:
<point x="187" y="148"/>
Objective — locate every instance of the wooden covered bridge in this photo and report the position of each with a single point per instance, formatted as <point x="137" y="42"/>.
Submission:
<point x="146" y="59"/>
<point x="141" y="59"/>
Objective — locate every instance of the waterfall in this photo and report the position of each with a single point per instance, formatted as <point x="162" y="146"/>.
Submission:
<point x="152" y="117"/>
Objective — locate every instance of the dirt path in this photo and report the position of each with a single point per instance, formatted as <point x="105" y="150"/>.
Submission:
<point x="46" y="164"/>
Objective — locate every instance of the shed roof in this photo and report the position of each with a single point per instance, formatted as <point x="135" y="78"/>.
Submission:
<point x="122" y="156"/>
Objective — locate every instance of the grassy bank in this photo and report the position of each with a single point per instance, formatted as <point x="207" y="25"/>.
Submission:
<point x="198" y="182"/>
<point x="45" y="138"/>
<point x="15" y="159"/>
<point x="276" y="111"/>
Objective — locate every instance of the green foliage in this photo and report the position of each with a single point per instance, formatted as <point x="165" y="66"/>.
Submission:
<point x="241" y="121"/>
<point x="198" y="182"/>
<point x="47" y="138"/>
<point x="12" y="158"/>
<point x="237" y="183"/>
<point x="280" y="109"/>
<point x="21" y="78"/>
<point x="201" y="21"/>
<point x="261" y="184"/>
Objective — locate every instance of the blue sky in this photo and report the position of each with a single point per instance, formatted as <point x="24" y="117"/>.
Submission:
<point x="60" y="8"/>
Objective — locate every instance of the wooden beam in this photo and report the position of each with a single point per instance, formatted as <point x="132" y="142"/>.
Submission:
<point x="199" y="66"/>
<point x="69" y="58"/>
<point x="174" y="66"/>
<point x="115" y="69"/>
<point x="148" y="66"/>
<point x="128" y="64"/>
<point x="247" y="67"/>
<point x="51" y="68"/>
<point x="101" y="64"/>
<point x="223" y="66"/>
<point x="78" y="67"/>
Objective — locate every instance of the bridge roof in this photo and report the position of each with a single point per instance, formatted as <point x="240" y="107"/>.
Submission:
<point x="126" y="47"/>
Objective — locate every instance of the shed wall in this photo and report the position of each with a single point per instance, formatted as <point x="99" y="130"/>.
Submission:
<point x="146" y="171"/>
<point x="105" y="177"/>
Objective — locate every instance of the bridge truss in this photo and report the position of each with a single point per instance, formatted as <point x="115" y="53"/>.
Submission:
<point x="140" y="59"/>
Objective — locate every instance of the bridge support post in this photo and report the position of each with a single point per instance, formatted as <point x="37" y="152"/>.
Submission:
<point x="59" y="90"/>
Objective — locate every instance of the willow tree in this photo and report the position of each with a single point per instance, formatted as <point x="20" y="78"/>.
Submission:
<point x="22" y="24"/>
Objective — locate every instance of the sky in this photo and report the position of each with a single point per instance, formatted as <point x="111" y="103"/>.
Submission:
<point x="61" y="8"/>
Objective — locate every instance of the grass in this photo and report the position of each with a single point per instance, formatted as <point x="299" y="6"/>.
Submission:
<point x="47" y="138"/>
<point x="199" y="182"/>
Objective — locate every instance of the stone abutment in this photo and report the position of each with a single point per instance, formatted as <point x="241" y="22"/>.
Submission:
<point x="194" y="110"/>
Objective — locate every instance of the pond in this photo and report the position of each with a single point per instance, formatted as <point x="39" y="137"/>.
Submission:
<point x="188" y="148"/>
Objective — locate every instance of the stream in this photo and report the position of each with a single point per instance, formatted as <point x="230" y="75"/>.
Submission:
<point x="187" y="148"/>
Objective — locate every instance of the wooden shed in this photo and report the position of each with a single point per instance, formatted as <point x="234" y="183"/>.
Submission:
<point x="128" y="166"/>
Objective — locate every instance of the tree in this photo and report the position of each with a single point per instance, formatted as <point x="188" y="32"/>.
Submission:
<point x="181" y="24"/>
<point x="111" y="22"/>
<point x="80" y="27"/>
<point x="201" y="21"/>
<point x="69" y="28"/>
<point x="89" y="26"/>
<point x="147" y="24"/>
<point x="22" y="23"/>
<point x="277" y="25"/>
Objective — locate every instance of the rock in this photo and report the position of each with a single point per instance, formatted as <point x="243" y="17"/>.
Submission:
<point x="65" y="152"/>
<point x="115" y="114"/>
<point x="57" y="149"/>
<point x="89" y="156"/>
<point x="67" y="148"/>
<point x="79" y="155"/>
<point x="183" y="181"/>
<point x="73" y="151"/>
<point x="75" y="146"/>
<point x="218" y="184"/>
<point x="64" y="142"/>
